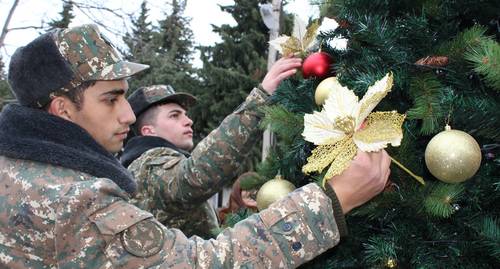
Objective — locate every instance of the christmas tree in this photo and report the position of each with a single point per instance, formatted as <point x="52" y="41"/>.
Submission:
<point x="443" y="58"/>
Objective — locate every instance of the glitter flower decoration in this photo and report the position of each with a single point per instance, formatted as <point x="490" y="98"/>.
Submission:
<point x="346" y="124"/>
<point x="303" y="39"/>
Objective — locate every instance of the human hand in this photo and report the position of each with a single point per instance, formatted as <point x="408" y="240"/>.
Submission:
<point x="366" y="177"/>
<point x="248" y="198"/>
<point x="283" y="68"/>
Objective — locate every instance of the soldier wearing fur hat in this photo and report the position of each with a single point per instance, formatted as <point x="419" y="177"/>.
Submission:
<point x="65" y="197"/>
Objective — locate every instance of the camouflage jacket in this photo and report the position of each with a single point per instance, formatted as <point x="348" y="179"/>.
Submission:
<point x="176" y="188"/>
<point x="52" y="216"/>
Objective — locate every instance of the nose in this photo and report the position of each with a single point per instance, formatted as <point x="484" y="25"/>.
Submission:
<point x="188" y="122"/>
<point x="126" y="114"/>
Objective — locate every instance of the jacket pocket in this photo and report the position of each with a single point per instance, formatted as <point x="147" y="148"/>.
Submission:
<point x="117" y="217"/>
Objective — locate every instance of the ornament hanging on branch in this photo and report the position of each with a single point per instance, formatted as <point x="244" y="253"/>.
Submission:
<point x="346" y="124"/>
<point x="318" y="65"/>
<point x="302" y="40"/>
<point x="344" y="23"/>
<point x="272" y="191"/>
<point x="453" y="156"/>
<point x="323" y="89"/>
<point x="437" y="61"/>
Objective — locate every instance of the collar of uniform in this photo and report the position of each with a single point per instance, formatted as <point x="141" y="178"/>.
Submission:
<point x="137" y="145"/>
<point x="33" y="134"/>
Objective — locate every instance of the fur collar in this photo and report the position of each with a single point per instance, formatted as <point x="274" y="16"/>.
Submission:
<point x="33" y="134"/>
<point x="136" y="146"/>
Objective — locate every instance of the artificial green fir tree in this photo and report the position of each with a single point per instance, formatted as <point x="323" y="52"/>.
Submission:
<point x="445" y="59"/>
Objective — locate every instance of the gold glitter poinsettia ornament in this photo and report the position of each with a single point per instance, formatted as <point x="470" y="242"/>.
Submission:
<point x="346" y="124"/>
<point x="303" y="39"/>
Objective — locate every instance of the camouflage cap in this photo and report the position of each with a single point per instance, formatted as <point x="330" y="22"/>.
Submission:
<point x="60" y="60"/>
<point x="144" y="97"/>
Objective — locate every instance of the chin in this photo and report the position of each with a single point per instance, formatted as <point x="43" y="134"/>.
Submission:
<point x="114" y="150"/>
<point x="188" y="147"/>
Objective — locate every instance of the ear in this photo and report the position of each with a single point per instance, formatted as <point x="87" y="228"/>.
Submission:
<point x="60" y="106"/>
<point x="148" y="130"/>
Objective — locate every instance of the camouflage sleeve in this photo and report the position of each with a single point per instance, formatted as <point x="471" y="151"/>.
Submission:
<point x="90" y="224"/>
<point x="172" y="178"/>
<point x="290" y="232"/>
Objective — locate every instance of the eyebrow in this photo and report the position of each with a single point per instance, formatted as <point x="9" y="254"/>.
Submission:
<point x="114" y="92"/>
<point x="175" y="111"/>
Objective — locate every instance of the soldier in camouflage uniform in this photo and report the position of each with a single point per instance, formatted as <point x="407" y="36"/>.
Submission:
<point x="173" y="184"/>
<point x="64" y="197"/>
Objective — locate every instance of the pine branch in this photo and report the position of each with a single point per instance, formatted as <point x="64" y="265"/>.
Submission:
<point x="425" y="91"/>
<point x="440" y="202"/>
<point x="380" y="250"/>
<point x="486" y="60"/>
<point x="464" y="40"/>
<point x="489" y="231"/>
<point x="282" y="122"/>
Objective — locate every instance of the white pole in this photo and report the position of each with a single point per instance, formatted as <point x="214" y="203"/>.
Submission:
<point x="269" y="139"/>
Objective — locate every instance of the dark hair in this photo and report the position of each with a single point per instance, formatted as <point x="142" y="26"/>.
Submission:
<point x="75" y="95"/>
<point x="148" y="116"/>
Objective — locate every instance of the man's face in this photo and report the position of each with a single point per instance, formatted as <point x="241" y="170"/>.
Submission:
<point x="105" y="113"/>
<point x="173" y="124"/>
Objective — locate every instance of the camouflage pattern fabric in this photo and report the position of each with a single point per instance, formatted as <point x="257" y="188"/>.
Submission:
<point x="91" y="56"/>
<point x="54" y="217"/>
<point x="176" y="189"/>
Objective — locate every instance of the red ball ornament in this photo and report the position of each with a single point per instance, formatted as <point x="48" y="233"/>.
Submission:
<point x="318" y="65"/>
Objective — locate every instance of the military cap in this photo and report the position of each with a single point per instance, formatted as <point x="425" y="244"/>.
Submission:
<point x="144" y="97"/>
<point x="60" y="60"/>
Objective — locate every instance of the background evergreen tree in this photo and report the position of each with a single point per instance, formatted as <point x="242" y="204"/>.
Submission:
<point x="66" y="17"/>
<point x="410" y="225"/>
<point x="140" y="48"/>
<point x="232" y="68"/>
<point x="6" y="95"/>
<point x="166" y="47"/>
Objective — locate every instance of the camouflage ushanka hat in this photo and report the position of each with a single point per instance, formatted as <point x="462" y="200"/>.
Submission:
<point x="60" y="60"/>
<point x="144" y="97"/>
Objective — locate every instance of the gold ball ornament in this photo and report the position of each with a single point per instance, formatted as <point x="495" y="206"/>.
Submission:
<point x="323" y="89"/>
<point x="272" y="191"/>
<point x="453" y="156"/>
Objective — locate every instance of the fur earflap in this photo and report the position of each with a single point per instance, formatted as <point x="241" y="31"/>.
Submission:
<point x="38" y="69"/>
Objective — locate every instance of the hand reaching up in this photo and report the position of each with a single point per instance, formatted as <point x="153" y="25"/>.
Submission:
<point x="283" y="68"/>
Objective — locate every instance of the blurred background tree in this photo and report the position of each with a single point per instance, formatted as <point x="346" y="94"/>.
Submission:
<point x="232" y="68"/>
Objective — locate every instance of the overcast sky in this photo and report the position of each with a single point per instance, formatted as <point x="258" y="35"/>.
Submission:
<point x="203" y="14"/>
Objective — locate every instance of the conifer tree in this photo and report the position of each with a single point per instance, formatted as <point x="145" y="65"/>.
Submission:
<point x="167" y="48"/>
<point x="445" y="58"/>
<point x="140" y="47"/>
<point x="6" y="95"/>
<point x="232" y="68"/>
<point x="66" y="17"/>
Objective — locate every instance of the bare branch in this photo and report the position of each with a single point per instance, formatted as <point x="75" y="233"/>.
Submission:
<point x="5" y="29"/>
<point x="7" y="101"/>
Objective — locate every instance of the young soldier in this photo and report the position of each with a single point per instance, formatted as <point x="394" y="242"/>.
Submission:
<point x="64" y="196"/>
<point x="174" y="184"/>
